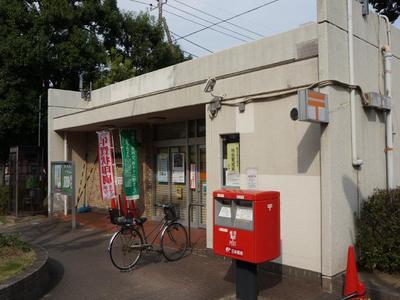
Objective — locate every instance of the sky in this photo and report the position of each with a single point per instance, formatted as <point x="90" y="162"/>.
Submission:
<point x="265" y="21"/>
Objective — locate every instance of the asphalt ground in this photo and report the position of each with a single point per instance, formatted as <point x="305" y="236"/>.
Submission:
<point x="80" y="268"/>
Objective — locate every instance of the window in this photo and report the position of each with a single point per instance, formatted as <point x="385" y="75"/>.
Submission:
<point x="170" y="131"/>
<point x="231" y="160"/>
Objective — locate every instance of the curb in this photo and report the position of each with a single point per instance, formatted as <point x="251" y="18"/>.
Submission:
<point x="31" y="283"/>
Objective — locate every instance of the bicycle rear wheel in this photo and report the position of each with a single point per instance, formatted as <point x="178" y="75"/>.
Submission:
<point x="125" y="248"/>
<point x="174" y="241"/>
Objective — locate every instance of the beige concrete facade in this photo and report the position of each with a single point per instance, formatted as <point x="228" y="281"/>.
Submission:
<point x="310" y="164"/>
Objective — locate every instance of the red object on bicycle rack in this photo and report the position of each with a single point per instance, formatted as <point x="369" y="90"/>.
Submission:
<point x="352" y="284"/>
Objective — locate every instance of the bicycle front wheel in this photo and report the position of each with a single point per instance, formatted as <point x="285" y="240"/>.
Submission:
<point x="125" y="248"/>
<point x="174" y="241"/>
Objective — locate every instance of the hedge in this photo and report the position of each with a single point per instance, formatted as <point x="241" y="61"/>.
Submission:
<point x="378" y="236"/>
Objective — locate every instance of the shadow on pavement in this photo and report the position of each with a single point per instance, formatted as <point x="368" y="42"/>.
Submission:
<point x="56" y="273"/>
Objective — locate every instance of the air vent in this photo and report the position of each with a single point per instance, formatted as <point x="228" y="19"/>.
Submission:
<point x="307" y="49"/>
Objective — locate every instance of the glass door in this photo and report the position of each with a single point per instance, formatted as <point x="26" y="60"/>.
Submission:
<point x="198" y="185"/>
<point x="170" y="179"/>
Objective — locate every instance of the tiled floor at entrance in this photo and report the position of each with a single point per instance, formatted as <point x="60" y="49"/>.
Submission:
<point x="102" y="221"/>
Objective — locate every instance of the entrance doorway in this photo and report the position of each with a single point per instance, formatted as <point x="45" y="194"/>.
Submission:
<point x="180" y="170"/>
<point x="198" y="185"/>
<point x="181" y="178"/>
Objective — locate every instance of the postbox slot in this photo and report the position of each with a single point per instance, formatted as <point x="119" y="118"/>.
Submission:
<point x="243" y="217"/>
<point x="223" y="212"/>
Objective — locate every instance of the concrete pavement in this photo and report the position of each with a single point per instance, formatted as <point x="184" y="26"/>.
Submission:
<point x="80" y="269"/>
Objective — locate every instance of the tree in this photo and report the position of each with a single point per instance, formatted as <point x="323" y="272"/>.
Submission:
<point x="389" y="8"/>
<point x="50" y="42"/>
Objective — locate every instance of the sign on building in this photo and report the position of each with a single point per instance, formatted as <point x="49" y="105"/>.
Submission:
<point x="313" y="106"/>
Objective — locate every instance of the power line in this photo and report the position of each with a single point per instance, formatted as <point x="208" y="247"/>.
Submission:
<point x="218" y="18"/>
<point x="148" y="4"/>
<point x="205" y="20"/>
<point x="189" y="41"/>
<point x="213" y="29"/>
<point x="228" y="19"/>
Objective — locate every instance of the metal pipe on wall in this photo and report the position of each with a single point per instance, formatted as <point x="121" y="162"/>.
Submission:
<point x="65" y="198"/>
<point x="355" y="160"/>
<point x="387" y="56"/>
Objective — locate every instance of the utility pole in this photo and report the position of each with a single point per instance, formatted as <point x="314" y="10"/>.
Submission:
<point x="39" y="118"/>
<point x="163" y="22"/>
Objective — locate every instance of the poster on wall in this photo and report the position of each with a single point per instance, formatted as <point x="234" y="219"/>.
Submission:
<point x="162" y="168"/>
<point x="192" y="176"/>
<point x="252" y="182"/>
<point x="106" y="164"/>
<point x="57" y="176"/>
<point x="233" y="165"/>
<point x="178" y="168"/>
<point x="130" y="171"/>
<point x="67" y="179"/>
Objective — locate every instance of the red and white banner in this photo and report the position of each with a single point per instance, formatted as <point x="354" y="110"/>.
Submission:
<point x="106" y="165"/>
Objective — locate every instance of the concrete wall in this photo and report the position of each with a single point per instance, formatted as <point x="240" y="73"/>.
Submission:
<point x="285" y="154"/>
<point x="344" y="187"/>
<point x="59" y="103"/>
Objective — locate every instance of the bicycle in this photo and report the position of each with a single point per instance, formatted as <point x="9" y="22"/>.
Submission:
<point x="127" y="244"/>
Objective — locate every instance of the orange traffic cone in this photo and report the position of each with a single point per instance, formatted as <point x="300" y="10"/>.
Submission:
<point x="352" y="285"/>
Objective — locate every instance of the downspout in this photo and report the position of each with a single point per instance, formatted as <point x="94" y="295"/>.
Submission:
<point x="387" y="56"/>
<point x="65" y="198"/>
<point x="355" y="160"/>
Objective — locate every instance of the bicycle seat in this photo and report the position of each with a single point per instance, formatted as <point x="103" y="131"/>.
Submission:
<point x="123" y="221"/>
<point x="140" y="221"/>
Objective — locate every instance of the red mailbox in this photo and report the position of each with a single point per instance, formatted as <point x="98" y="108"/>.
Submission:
<point x="247" y="225"/>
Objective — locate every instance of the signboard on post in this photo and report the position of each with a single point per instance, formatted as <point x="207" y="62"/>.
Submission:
<point x="63" y="182"/>
<point x="130" y="163"/>
<point x="313" y="106"/>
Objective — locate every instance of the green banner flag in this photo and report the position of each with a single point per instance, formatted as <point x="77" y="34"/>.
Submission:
<point x="130" y="163"/>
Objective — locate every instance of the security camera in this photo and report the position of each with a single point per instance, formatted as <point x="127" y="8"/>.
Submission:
<point x="210" y="84"/>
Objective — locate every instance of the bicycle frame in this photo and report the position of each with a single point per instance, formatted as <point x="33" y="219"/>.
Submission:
<point x="161" y="226"/>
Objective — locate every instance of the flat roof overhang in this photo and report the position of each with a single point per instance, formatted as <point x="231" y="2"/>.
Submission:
<point x="174" y="105"/>
<point x="160" y="117"/>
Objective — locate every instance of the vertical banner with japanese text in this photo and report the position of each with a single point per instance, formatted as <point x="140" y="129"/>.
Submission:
<point x="106" y="165"/>
<point x="130" y="171"/>
<point x="233" y="160"/>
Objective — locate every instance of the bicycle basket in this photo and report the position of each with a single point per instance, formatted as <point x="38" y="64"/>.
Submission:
<point x="114" y="214"/>
<point x="170" y="213"/>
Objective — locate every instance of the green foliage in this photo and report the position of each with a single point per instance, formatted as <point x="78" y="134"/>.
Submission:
<point x="379" y="231"/>
<point x="4" y="198"/>
<point x="50" y="42"/>
<point x="14" y="241"/>
<point x="389" y="8"/>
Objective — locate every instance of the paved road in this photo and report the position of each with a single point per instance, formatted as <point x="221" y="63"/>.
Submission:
<point x="80" y="269"/>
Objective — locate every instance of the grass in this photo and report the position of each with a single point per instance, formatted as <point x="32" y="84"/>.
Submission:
<point x="3" y="220"/>
<point x="13" y="261"/>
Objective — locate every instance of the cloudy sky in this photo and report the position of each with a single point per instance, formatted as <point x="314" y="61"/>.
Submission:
<point x="182" y="16"/>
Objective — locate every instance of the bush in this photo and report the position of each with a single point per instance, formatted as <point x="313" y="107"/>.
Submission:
<point x="378" y="235"/>
<point x="4" y="198"/>
<point x="14" y="241"/>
